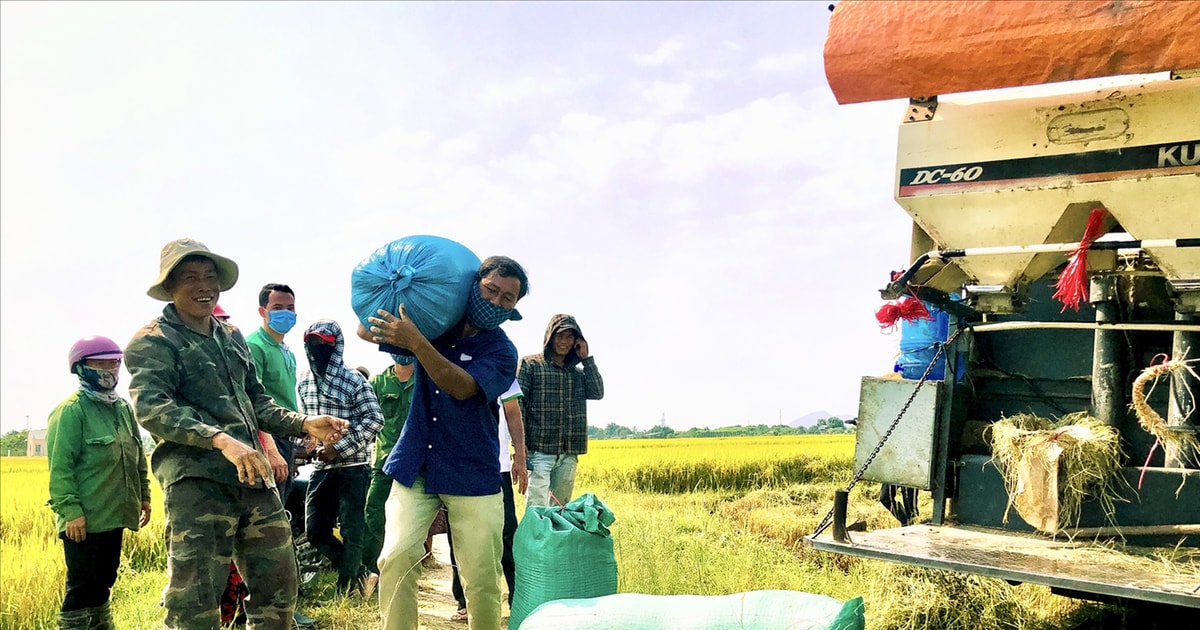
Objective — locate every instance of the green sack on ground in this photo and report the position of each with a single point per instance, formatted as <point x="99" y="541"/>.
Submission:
<point x="755" y="610"/>
<point x="562" y="553"/>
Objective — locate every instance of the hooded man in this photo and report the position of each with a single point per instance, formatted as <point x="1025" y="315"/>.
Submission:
<point x="337" y="489"/>
<point x="557" y="384"/>
<point x="195" y="389"/>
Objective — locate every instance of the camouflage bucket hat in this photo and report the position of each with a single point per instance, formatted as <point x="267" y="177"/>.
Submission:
<point x="177" y="250"/>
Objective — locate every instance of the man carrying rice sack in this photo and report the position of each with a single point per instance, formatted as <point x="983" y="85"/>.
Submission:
<point x="447" y="450"/>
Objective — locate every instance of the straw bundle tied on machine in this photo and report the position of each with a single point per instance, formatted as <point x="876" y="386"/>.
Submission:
<point x="1178" y="441"/>
<point x="1049" y="468"/>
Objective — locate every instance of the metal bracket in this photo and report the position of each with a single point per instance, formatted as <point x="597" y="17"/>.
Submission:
<point x="921" y="108"/>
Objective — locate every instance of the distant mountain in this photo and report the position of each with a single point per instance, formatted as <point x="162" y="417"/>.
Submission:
<point x="809" y="419"/>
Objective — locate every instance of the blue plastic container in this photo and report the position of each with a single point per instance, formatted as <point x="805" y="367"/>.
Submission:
<point x="919" y="342"/>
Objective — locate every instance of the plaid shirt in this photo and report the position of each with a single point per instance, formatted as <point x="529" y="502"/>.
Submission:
<point x="342" y="393"/>
<point x="555" y="403"/>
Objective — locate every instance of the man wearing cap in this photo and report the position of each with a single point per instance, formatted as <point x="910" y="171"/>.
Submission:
<point x="447" y="450"/>
<point x="337" y="490"/>
<point x="195" y="389"/>
<point x="557" y="383"/>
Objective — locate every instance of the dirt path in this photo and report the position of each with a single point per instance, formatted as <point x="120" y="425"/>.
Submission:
<point x="435" y="602"/>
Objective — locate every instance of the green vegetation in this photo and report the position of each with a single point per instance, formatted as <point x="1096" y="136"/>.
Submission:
<point x="14" y="442"/>
<point x="614" y="431"/>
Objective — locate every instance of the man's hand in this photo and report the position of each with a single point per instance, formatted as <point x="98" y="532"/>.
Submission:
<point x="77" y="529"/>
<point x="520" y="476"/>
<point x="304" y="450"/>
<point x="396" y="330"/>
<point x="145" y="517"/>
<point x="326" y="428"/>
<point x="278" y="467"/>
<point x="327" y="454"/>
<point x="581" y="348"/>
<point x="251" y="465"/>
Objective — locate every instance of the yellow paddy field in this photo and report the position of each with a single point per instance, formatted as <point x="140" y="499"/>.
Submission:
<point x="705" y="516"/>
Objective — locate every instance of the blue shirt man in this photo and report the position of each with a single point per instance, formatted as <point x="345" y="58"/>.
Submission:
<point x="446" y="453"/>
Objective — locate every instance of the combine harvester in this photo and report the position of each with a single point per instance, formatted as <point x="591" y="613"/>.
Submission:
<point x="1049" y="157"/>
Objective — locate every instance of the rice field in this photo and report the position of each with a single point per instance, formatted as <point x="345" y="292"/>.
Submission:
<point x="676" y="466"/>
<point x="704" y="516"/>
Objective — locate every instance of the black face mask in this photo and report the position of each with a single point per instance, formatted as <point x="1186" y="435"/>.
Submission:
<point x="319" y="356"/>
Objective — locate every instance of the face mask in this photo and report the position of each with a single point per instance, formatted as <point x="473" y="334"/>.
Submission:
<point x="483" y="314"/>
<point x="281" y="321"/>
<point x="403" y="359"/>
<point x="98" y="380"/>
<point x="319" y="355"/>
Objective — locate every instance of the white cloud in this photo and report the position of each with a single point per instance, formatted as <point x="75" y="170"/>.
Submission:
<point x="789" y="62"/>
<point x="556" y="84"/>
<point x="459" y="148"/>
<point x="668" y="99"/>
<point x="511" y="92"/>
<point x="665" y="52"/>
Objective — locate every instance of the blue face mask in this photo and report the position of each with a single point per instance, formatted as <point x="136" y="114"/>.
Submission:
<point x="483" y="314"/>
<point x="403" y="359"/>
<point x="281" y="321"/>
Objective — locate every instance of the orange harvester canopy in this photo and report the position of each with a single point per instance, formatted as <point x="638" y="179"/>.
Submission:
<point x="883" y="50"/>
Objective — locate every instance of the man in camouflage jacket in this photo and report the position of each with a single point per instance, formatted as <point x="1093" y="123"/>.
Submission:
<point x="195" y="390"/>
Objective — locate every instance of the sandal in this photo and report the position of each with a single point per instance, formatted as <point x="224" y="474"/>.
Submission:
<point x="461" y="615"/>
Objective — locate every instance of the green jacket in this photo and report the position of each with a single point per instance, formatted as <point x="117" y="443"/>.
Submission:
<point x="187" y="387"/>
<point x="394" y="400"/>
<point x="97" y="466"/>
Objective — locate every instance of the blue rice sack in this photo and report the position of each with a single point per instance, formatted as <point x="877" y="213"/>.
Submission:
<point x="430" y="275"/>
<point x="562" y="553"/>
<point x="755" y="610"/>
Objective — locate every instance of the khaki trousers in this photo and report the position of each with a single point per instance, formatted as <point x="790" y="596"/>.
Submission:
<point x="477" y="525"/>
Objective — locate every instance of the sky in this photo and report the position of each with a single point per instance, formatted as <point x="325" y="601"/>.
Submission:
<point x="676" y="175"/>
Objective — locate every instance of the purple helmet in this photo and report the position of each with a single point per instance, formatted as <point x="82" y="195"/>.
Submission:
<point x="93" y="348"/>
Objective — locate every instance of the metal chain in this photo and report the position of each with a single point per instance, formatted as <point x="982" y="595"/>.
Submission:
<point x="825" y="522"/>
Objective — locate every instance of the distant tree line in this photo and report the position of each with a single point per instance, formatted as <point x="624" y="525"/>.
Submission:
<point x="617" y="432"/>
<point x="14" y="442"/>
<point x="17" y="442"/>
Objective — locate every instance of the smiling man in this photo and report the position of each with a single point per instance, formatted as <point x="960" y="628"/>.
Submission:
<point x="447" y="450"/>
<point x="557" y="382"/>
<point x="196" y="391"/>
